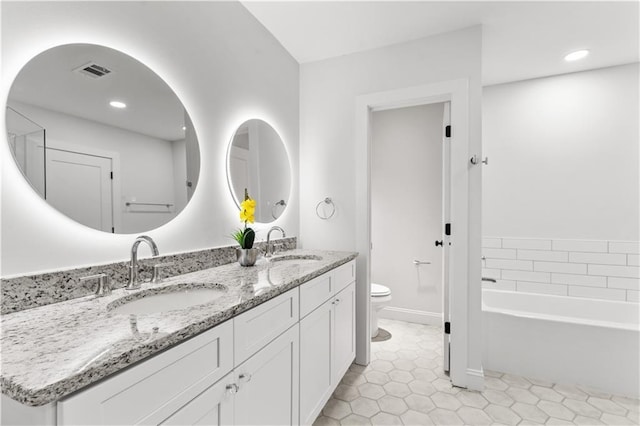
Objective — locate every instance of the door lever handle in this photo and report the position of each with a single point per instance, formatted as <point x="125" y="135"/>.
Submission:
<point x="439" y="243"/>
<point x="419" y="262"/>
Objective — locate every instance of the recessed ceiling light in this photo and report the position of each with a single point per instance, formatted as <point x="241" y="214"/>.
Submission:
<point x="574" y="56"/>
<point x="118" y="104"/>
<point x="184" y="127"/>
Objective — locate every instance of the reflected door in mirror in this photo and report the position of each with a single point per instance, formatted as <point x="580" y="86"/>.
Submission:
<point x="79" y="186"/>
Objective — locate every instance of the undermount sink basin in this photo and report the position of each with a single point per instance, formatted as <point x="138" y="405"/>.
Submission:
<point x="296" y="258"/>
<point x="171" y="298"/>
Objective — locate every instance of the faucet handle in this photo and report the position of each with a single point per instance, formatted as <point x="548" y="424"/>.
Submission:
<point x="276" y="248"/>
<point x="104" y="284"/>
<point x="155" y="277"/>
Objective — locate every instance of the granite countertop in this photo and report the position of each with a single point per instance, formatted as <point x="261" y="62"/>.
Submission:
<point x="51" y="351"/>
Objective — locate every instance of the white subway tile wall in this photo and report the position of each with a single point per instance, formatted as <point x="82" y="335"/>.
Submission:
<point x="594" y="269"/>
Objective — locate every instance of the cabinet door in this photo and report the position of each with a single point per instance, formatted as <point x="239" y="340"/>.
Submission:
<point x="268" y="383"/>
<point x="344" y="349"/>
<point x="154" y="389"/>
<point x="260" y="325"/>
<point x="316" y="335"/>
<point x="214" y="406"/>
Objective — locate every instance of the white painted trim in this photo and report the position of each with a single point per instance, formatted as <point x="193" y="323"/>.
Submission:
<point x="411" y="315"/>
<point x="457" y="92"/>
<point x="475" y="379"/>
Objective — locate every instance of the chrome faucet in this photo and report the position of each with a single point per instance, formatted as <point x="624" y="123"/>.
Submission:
<point x="133" y="266"/>
<point x="268" y="250"/>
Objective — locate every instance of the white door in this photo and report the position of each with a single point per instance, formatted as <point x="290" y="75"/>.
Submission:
<point x="446" y="237"/>
<point x="268" y="384"/>
<point x="79" y="185"/>
<point x="344" y="349"/>
<point x="316" y="347"/>
<point x="212" y="407"/>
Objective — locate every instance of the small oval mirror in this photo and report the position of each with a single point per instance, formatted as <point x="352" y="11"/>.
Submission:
<point x="102" y="138"/>
<point x="257" y="160"/>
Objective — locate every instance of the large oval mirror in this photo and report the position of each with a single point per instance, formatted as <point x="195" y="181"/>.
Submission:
<point x="257" y="160"/>
<point x="102" y="138"/>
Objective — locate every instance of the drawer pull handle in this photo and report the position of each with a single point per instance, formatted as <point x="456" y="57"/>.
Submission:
<point x="245" y="377"/>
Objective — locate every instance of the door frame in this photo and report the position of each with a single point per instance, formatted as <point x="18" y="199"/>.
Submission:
<point x="457" y="93"/>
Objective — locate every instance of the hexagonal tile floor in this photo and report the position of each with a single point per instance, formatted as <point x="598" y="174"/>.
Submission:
<point x="404" y="385"/>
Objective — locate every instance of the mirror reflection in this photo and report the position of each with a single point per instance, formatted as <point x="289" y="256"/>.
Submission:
<point x="102" y="138"/>
<point x="257" y="160"/>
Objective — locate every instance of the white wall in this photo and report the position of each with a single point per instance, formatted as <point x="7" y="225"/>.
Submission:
<point x="561" y="192"/>
<point x="406" y="182"/>
<point x="328" y="91"/>
<point x="223" y="65"/>
<point x="563" y="156"/>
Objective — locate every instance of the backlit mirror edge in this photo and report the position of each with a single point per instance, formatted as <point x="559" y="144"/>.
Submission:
<point x="236" y="202"/>
<point x="9" y="156"/>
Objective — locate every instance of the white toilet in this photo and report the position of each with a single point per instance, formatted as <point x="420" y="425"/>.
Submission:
<point x="380" y="297"/>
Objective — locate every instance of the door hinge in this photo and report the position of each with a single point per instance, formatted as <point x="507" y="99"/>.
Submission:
<point x="447" y="327"/>
<point x="447" y="131"/>
<point x="111" y="173"/>
<point x="447" y="229"/>
<point x="113" y="230"/>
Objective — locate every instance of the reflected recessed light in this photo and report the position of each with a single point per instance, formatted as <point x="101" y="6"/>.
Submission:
<point x="184" y="127"/>
<point x="118" y="104"/>
<point x="574" y="56"/>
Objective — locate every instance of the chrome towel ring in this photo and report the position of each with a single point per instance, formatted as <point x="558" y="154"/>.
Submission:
<point x="329" y="202"/>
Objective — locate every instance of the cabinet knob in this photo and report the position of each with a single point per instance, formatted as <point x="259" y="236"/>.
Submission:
<point x="335" y="302"/>
<point x="245" y="377"/>
<point x="232" y="388"/>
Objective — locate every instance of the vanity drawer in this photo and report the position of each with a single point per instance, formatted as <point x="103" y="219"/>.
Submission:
<point x="343" y="276"/>
<point x="255" y="328"/>
<point x="149" y="392"/>
<point x="314" y="293"/>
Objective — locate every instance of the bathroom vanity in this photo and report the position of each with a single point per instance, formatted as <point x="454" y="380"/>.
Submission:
<point x="269" y="349"/>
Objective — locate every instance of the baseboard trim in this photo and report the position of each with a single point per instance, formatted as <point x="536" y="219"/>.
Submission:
<point x="475" y="379"/>
<point x="411" y="315"/>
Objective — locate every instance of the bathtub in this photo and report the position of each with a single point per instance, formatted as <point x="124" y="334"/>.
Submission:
<point x="595" y="343"/>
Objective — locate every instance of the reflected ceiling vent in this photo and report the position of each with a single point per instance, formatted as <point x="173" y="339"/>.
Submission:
<point x="93" y="70"/>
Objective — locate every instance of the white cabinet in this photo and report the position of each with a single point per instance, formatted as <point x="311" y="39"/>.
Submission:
<point x="344" y="347"/>
<point x="255" y="328"/>
<point x="316" y="342"/>
<point x="213" y="407"/>
<point x="152" y="391"/>
<point x="265" y="366"/>
<point x="268" y="384"/>
<point x="327" y="337"/>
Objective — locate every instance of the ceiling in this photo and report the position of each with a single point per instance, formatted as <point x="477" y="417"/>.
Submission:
<point x="521" y="40"/>
<point x="50" y="81"/>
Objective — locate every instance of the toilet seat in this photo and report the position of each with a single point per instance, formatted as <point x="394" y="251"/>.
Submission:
<point x="378" y="290"/>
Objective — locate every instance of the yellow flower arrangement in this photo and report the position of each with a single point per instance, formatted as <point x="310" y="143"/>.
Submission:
<point x="245" y="236"/>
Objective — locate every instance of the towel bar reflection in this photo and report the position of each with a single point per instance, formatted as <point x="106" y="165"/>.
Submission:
<point x="133" y="203"/>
